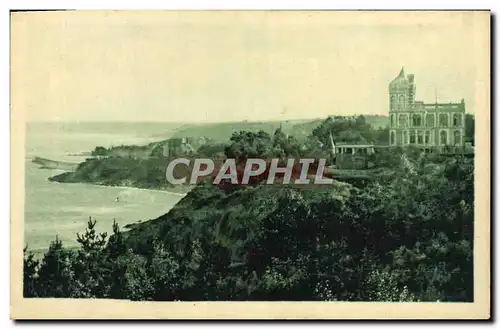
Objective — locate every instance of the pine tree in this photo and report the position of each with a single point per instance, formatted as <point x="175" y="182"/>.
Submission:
<point x="90" y="264"/>
<point x="56" y="273"/>
<point x="116" y="245"/>
<point x="30" y="266"/>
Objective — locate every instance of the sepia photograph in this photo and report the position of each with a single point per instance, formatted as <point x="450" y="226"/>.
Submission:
<point x="250" y="164"/>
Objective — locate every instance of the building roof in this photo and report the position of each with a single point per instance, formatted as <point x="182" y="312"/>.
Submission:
<point x="353" y="144"/>
<point x="358" y="146"/>
<point x="400" y="80"/>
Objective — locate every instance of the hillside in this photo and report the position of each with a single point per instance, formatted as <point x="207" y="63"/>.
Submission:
<point x="333" y="243"/>
<point x="224" y="212"/>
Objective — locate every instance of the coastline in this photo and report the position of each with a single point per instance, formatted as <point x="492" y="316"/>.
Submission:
<point x="136" y="188"/>
<point x="169" y="191"/>
<point x="68" y="167"/>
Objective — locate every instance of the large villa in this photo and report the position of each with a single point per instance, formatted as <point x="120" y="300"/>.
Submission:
<point x="422" y="124"/>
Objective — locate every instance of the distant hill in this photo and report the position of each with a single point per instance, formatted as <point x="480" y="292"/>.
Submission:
<point x="304" y="129"/>
<point x="221" y="132"/>
<point x="377" y="121"/>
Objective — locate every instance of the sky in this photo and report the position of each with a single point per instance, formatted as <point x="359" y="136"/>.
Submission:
<point x="232" y="66"/>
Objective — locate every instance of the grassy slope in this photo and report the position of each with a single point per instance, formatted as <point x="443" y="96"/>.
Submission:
<point x="299" y="128"/>
<point x="221" y="132"/>
<point x="231" y="218"/>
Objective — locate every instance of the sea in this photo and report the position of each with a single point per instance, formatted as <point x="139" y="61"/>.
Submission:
<point x="62" y="210"/>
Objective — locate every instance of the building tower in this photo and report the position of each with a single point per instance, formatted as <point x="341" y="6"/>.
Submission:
<point x="401" y="98"/>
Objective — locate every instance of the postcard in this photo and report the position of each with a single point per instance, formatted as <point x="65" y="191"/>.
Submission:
<point x="250" y="165"/>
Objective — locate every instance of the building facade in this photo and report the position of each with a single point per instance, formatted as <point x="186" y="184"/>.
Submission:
<point x="422" y="124"/>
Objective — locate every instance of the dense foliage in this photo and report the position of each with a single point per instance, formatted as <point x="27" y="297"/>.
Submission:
<point x="406" y="235"/>
<point x="469" y="128"/>
<point x="400" y="239"/>
<point x="350" y="130"/>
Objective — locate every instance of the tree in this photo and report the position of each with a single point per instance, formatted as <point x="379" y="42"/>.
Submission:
<point x="30" y="267"/>
<point x="163" y="270"/>
<point x="116" y="245"/>
<point x="135" y="280"/>
<point x="384" y="287"/>
<point x="346" y="129"/>
<point x="246" y="144"/>
<point x="415" y="221"/>
<point x="469" y="127"/>
<point x="55" y="273"/>
<point x="99" y="150"/>
<point x="89" y="265"/>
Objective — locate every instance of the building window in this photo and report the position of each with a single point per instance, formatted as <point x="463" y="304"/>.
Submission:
<point x="443" y="119"/>
<point x="457" y="120"/>
<point x="401" y="102"/>
<point x="429" y="120"/>
<point x="456" y="137"/>
<point x="403" y="120"/>
<point x="420" y="137"/>
<point x="443" y="137"/>
<point x="416" y="120"/>
<point x="392" y="120"/>
<point x="393" y="138"/>
<point x="427" y="137"/>
<point x="392" y="101"/>
<point x="412" y="137"/>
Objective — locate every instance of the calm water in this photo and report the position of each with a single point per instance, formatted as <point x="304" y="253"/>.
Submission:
<point x="63" y="209"/>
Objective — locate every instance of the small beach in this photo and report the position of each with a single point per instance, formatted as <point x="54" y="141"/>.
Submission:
<point x="62" y="209"/>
